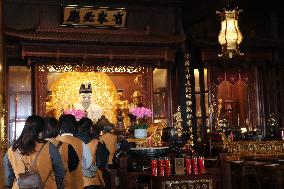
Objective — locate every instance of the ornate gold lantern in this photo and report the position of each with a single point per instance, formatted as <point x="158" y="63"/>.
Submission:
<point x="230" y="36"/>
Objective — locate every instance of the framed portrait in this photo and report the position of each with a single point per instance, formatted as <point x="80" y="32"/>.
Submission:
<point x="179" y="166"/>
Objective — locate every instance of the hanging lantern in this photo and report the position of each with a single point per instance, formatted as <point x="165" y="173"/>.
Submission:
<point x="230" y="36"/>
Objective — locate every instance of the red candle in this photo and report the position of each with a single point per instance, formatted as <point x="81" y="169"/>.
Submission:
<point x="167" y="166"/>
<point x="161" y="167"/>
<point x="188" y="165"/>
<point x="154" y="167"/>
<point x="201" y="164"/>
<point x="195" y="165"/>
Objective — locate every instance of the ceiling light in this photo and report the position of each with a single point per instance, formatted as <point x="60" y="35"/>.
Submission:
<point x="230" y="36"/>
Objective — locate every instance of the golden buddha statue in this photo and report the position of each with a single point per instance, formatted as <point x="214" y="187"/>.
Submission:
<point x="220" y="106"/>
<point x="137" y="100"/>
<point x="221" y="115"/>
<point x="49" y="108"/>
<point x="122" y="107"/>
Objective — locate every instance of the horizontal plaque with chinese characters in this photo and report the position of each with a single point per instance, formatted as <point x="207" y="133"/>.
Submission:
<point x="101" y="17"/>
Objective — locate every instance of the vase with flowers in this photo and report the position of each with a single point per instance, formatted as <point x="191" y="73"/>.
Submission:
<point x="140" y="126"/>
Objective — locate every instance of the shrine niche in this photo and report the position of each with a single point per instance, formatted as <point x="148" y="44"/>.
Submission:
<point x="232" y="99"/>
<point x="65" y="91"/>
<point x="59" y="88"/>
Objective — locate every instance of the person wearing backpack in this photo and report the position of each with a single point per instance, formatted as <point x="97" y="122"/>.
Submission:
<point x="111" y="142"/>
<point x="67" y="152"/>
<point x="92" y="174"/>
<point x="103" y="153"/>
<point x="32" y="162"/>
<point x="67" y="124"/>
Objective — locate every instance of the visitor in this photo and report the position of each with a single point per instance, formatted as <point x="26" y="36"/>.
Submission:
<point x="94" y="111"/>
<point x="23" y="152"/>
<point x="69" y="157"/>
<point x="110" y="141"/>
<point x="94" y="181"/>
<point x="67" y="124"/>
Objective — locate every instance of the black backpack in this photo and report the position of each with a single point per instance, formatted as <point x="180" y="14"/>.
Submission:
<point x="102" y="155"/>
<point x="31" y="179"/>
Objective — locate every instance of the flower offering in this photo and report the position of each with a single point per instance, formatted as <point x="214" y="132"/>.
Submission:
<point x="141" y="112"/>
<point x="78" y="114"/>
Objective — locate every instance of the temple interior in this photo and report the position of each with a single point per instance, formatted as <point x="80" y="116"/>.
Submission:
<point x="210" y="72"/>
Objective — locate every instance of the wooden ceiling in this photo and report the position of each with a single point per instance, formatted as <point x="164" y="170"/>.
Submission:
<point x="196" y="12"/>
<point x="261" y="22"/>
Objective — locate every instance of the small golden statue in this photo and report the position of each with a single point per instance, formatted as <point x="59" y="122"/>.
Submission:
<point x="220" y="115"/>
<point x="49" y="108"/>
<point x="137" y="100"/>
<point x="122" y="107"/>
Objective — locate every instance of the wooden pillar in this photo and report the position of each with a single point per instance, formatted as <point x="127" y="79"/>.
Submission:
<point x="225" y="172"/>
<point x="123" y="173"/>
<point x="3" y="134"/>
<point x="186" y="98"/>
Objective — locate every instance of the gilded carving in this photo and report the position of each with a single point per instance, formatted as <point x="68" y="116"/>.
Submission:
<point x="42" y="82"/>
<point x="266" y="149"/>
<point x="93" y="68"/>
<point x="155" y="132"/>
<point x="188" y="184"/>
